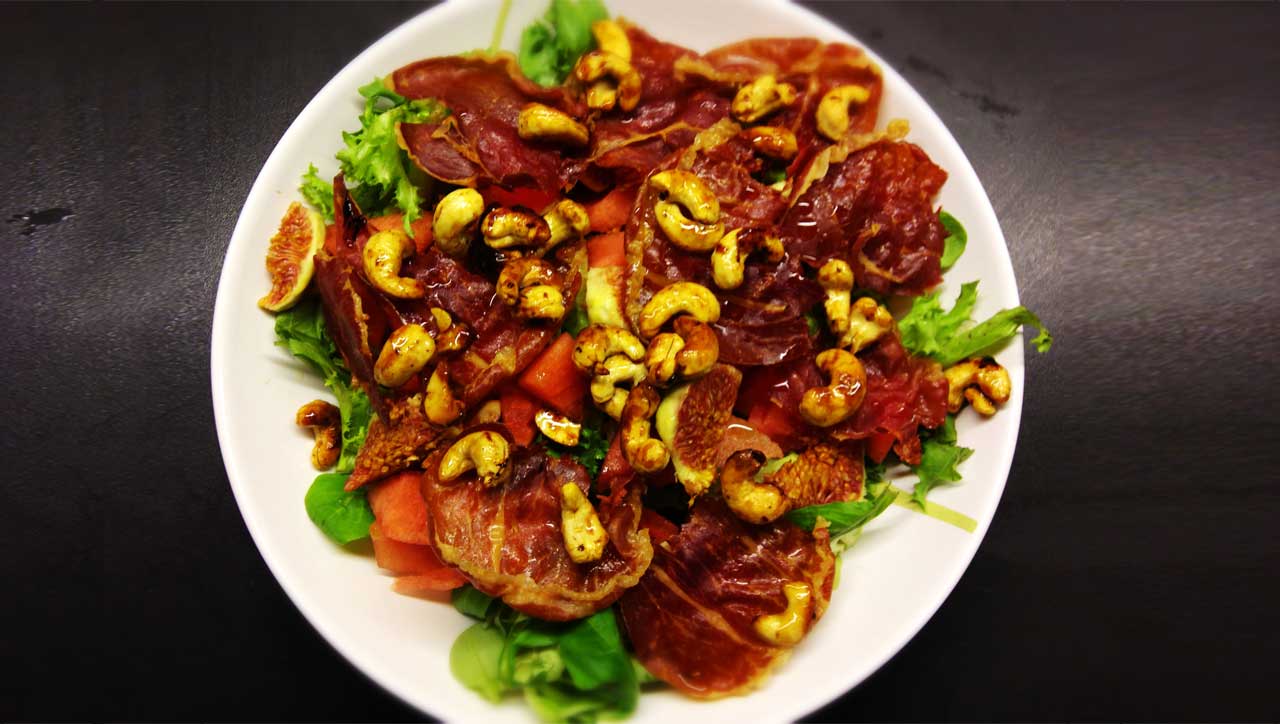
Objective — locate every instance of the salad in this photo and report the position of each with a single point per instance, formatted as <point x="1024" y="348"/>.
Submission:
<point x="606" y="326"/>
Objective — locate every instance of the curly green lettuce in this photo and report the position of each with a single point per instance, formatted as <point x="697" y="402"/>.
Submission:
<point x="550" y="46"/>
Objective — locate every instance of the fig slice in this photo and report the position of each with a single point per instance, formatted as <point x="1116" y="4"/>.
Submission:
<point x="693" y="419"/>
<point x="291" y="256"/>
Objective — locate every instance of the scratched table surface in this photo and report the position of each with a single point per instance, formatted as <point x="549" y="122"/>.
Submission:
<point x="1133" y="157"/>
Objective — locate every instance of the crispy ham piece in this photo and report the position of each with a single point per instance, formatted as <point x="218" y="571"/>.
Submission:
<point x="691" y="620"/>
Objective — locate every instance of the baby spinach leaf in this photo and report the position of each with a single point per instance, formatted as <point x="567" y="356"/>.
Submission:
<point x="343" y="515"/>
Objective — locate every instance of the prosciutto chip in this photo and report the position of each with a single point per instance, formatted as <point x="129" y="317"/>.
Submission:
<point x="507" y="539"/>
<point x="691" y="618"/>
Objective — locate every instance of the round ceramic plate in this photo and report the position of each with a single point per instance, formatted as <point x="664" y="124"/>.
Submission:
<point x="892" y="581"/>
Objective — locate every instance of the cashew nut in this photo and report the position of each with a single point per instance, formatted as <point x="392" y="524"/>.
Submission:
<point x="760" y="97"/>
<point x="489" y="412"/>
<point x="455" y="220"/>
<point x="728" y="261"/>
<point x="788" y="627"/>
<point x="451" y="337"/>
<point x="646" y="454"/>
<point x="404" y="354"/>
<point x="538" y="122"/>
<point x="772" y="141"/>
<point x="599" y="65"/>
<point x="981" y="381"/>
<point x="611" y="38"/>
<point x="439" y="404"/>
<point x="383" y="254"/>
<point x="754" y="502"/>
<point x="605" y="390"/>
<point x="682" y="297"/>
<point x="485" y="452"/>
<point x="868" y="322"/>
<point x="566" y="219"/>
<point x="533" y="285"/>
<point x="584" y="536"/>
<point x="597" y="343"/>
<point x="832" y="115"/>
<point x="837" y="279"/>
<point x="827" y="406"/>
<point x="324" y="420"/>
<point x="679" y="188"/>
<point x="688" y="353"/>
<point x="506" y="227"/>
<point x="558" y="427"/>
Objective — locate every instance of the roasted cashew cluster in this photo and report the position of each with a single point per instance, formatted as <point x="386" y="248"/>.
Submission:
<point x="405" y="353"/>
<point x="538" y="122"/>
<point x="612" y="81"/>
<point x="687" y="210"/>
<point x="439" y="404"/>
<point x="688" y="298"/>
<point x="761" y="97"/>
<point x="584" y="535"/>
<point x="685" y="354"/>
<point x="505" y="228"/>
<point x="645" y="453"/>
<point x="566" y="219"/>
<point x="855" y="324"/>
<point x="752" y="501"/>
<point x="728" y="261"/>
<point x="451" y="336"/>
<point x="832" y="115"/>
<point x="773" y="142"/>
<point x="837" y="401"/>
<point x="614" y="358"/>
<point x="533" y="287"/>
<point x="324" y="420"/>
<point x="484" y="451"/>
<point x="383" y="255"/>
<point x="981" y="381"/>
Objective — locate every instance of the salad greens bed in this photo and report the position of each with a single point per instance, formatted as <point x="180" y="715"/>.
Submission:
<point x="580" y="671"/>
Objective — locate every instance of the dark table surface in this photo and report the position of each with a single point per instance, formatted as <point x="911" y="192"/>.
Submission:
<point x="1133" y="157"/>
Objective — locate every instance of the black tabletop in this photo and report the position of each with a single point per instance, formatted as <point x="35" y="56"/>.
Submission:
<point x="1133" y="157"/>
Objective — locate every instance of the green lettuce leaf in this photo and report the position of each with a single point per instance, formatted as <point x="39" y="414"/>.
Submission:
<point x="373" y="162"/>
<point x="317" y="192"/>
<point x="550" y="46"/>
<point x="932" y="331"/>
<point x="938" y="460"/>
<point x="473" y="660"/>
<point x="591" y="449"/>
<point x="301" y="330"/>
<point x="954" y="243"/>
<point x="343" y="515"/>
<point x="843" y="517"/>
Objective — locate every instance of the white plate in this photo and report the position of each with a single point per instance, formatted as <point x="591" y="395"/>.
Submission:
<point x="892" y="581"/>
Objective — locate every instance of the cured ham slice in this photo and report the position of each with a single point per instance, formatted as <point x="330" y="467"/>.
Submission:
<point x="507" y="539"/>
<point x="691" y="620"/>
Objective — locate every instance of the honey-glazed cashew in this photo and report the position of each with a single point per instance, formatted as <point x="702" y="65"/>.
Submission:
<point x="584" y="536"/>
<point x="612" y="38"/>
<point x="761" y="97"/>
<point x="505" y="228"/>
<point x="981" y="381"/>
<point x="754" y="502"/>
<point x="485" y="451"/>
<point x="451" y="336"/>
<point x="538" y="122"/>
<point x="868" y="321"/>
<point x="383" y="254"/>
<point x="836" y="278"/>
<point x="595" y="67"/>
<point x="838" y="400"/>
<point x="832" y="115"/>
<point x="685" y="354"/>
<point x="680" y="298"/>
<point x="607" y="387"/>
<point x="597" y="343"/>
<point x="558" y="427"/>
<point x="645" y="453"/>
<point x="788" y="627"/>
<point x="728" y="261"/>
<point x="681" y="191"/>
<point x="487" y="413"/>
<point x="403" y="355"/>
<point x="439" y="404"/>
<point x="519" y="276"/>
<point x="325" y="421"/>
<point x="566" y="219"/>
<point x="455" y="220"/>
<point x="773" y="142"/>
